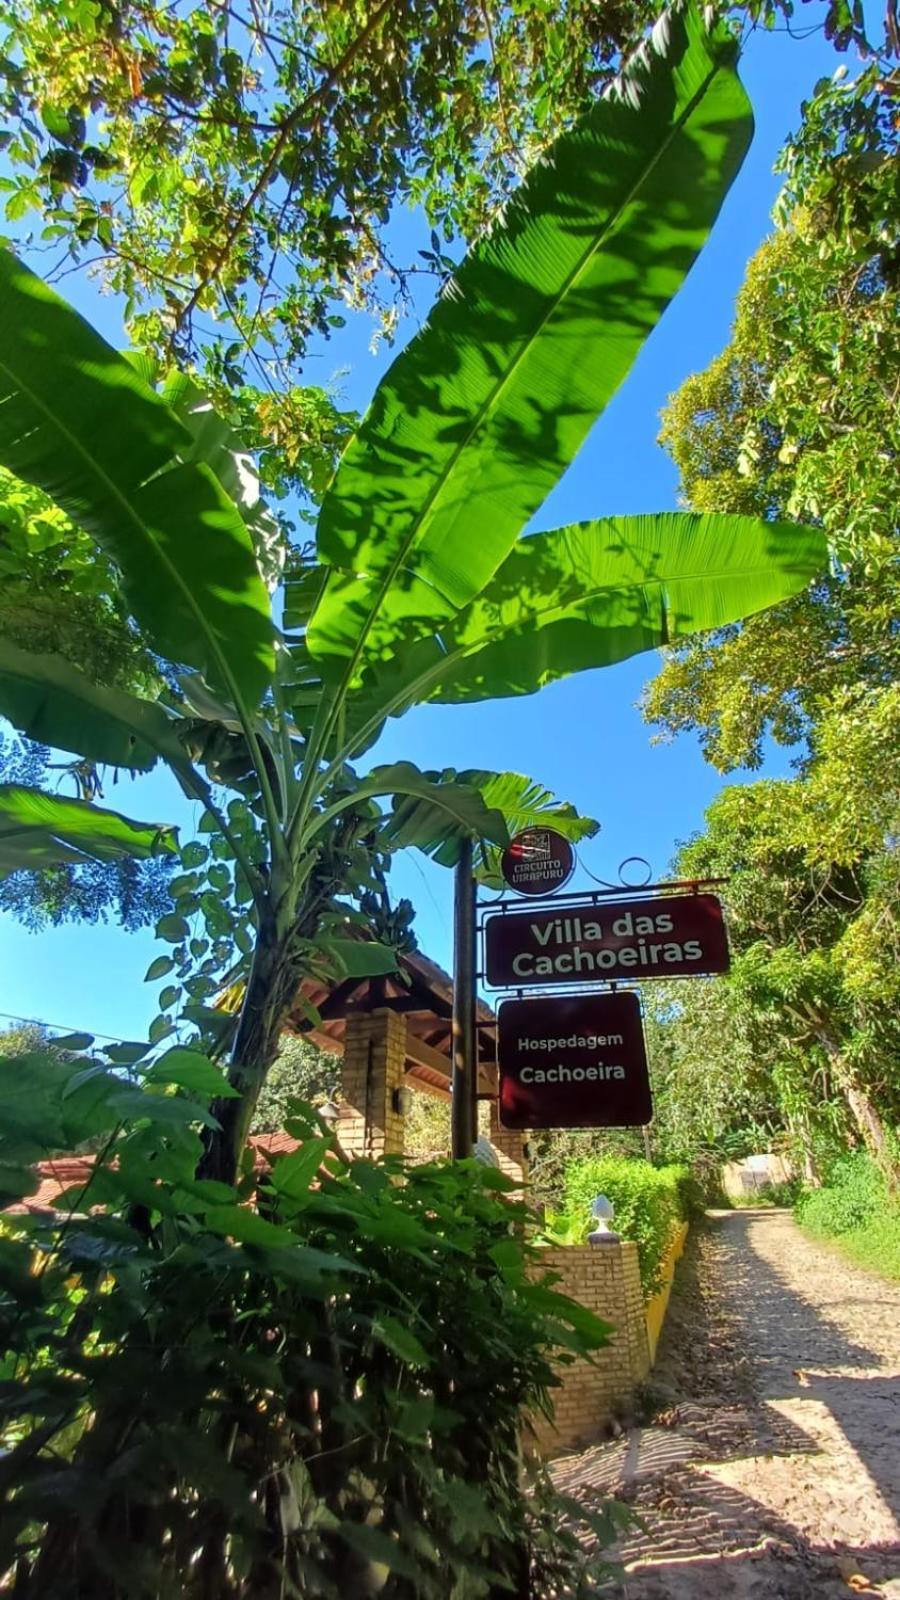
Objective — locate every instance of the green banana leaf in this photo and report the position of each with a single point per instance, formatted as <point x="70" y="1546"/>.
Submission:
<point x="77" y="420"/>
<point x="594" y="593"/>
<point x="479" y="417"/>
<point x="39" y="830"/>
<point x="522" y="804"/>
<point x="431" y="810"/>
<point x="50" y="700"/>
<point x="214" y="442"/>
<point x="358" y="958"/>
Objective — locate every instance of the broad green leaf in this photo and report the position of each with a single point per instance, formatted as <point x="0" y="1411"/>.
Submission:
<point x="594" y="593"/>
<point x="358" y="958"/>
<point x="38" y="829"/>
<point x="77" y="420"/>
<point x="159" y="968"/>
<point x="51" y="701"/>
<point x="398" y="1338"/>
<point x="431" y="810"/>
<point x="216" y="445"/>
<point x="37" y="1107"/>
<point x="172" y="928"/>
<point x="523" y="804"/>
<point x="190" y="1069"/>
<point x="481" y="414"/>
<point x="292" y="1174"/>
<point x="380" y="1549"/>
<point x="248" y="1227"/>
<point x="125" y="1055"/>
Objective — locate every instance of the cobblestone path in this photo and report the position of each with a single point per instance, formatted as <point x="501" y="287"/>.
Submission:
<point x="771" y="1470"/>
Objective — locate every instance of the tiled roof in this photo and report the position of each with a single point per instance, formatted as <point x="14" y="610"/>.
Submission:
<point x="56" y="1175"/>
<point x="63" y="1172"/>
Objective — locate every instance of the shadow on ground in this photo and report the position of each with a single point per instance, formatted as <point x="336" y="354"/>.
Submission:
<point x="771" y="1467"/>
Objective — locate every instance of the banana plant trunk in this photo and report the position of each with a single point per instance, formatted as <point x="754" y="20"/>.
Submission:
<point x="271" y="988"/>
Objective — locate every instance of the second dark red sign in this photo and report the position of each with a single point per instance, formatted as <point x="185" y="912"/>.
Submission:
<point x="578" y="1062"/>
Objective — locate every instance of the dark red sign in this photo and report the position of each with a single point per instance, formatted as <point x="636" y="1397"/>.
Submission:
<point x="668" y="936"/>
<point x="576" y="1062"/>
<point x="537" y="861"/>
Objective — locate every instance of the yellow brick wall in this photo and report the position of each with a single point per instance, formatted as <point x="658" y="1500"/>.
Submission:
<point x="509" y="1146"/>
<point x="606" y="1279"/>
<point x="658" y="1304"/>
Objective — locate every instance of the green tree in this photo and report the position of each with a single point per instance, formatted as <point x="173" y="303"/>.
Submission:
<point x="300" y="1071"/>
<point x="799" y="416"/>
<point x="794" y="1003"/>
<point x="231" y="171"/>
<point x="424" y="588"/>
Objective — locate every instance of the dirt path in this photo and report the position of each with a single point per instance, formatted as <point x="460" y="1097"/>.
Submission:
<point x="772" y="1467"/>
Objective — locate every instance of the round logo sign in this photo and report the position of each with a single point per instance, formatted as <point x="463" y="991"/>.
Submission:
<point x="538" y="861"/>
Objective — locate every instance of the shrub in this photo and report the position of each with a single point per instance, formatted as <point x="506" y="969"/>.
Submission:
<point x="855" y="1191"/>
<point x="312" y="1383"/>
<point x="650" y="1203"/>
<point x="855" y="1209"/>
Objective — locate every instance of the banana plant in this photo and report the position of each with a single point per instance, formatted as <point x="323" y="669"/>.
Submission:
<point x="425" y="588"/>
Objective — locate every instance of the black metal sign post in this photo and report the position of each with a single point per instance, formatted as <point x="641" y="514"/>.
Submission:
<point x="463" y="1080"/>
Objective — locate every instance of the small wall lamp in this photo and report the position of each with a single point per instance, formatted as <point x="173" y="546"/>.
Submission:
<point x="603" y="1212"/>
<point x="401" y="1100"/>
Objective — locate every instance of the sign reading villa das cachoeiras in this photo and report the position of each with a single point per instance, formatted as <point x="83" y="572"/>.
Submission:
<point x="668" y="936"/>
<point x="573" y="1062"/>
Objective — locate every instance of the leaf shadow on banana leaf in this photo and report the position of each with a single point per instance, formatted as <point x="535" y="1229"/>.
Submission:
<point x="425" y="589"/>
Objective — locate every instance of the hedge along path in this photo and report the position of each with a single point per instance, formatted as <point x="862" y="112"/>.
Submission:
<point x="772" y="1468"/>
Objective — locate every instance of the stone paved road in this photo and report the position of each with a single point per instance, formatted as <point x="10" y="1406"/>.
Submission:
<point x="772" y="1469"/>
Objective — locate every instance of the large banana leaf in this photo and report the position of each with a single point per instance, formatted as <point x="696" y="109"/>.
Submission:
<point x="215" y="442"/>
<point x="595" y="593"/>
<point x="50" y="700"/>
<point x="39" y="830"/>
<point x="523" y="804"/>
<point x="433" y="811"/>
<point x="481" y="414"/>
<point x="78" y="420"/>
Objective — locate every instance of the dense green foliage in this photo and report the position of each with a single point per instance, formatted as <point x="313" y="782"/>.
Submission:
<point x="316" y="1382"/>
<point x="799" y="416"/>
<point x="300" y="1071"/>
<point x="232" y="171"/>
<point x="794" y="1003"/>
<point x="319" y="1387"/>
<point x="650" y="1204"/>
<point x="856" y="1209"/>
<point x="409" y="601"/>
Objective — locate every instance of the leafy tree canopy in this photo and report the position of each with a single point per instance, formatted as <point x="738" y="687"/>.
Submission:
<point x="800" y="416"/>
<point x="230" y="169"/>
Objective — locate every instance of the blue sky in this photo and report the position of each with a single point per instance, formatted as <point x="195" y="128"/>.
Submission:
<point x="584" y="737"/>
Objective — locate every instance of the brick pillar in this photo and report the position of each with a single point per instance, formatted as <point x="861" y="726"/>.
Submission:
<point x="510" y="1147"/>
<point x="373" y="1068"/>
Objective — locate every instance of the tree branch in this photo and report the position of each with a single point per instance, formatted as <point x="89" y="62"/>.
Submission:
<point x="291" y="122"/>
